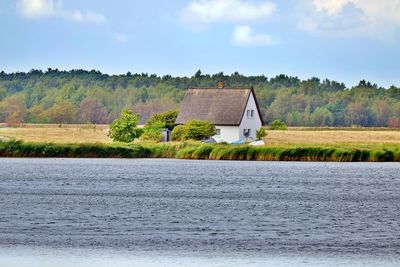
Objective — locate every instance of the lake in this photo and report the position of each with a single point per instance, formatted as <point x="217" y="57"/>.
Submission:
<point x="151" y="212"/>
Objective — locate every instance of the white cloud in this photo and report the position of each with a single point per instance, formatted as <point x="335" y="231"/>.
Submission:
<point x="88" y="16"/>
<point x="331" y="7"/>
<point x="244" y="35"/>
<point x="200" y="12"/>
<point x="352" y="17"/>
<point x="38" y="9"/>
<point x="121" y="38"/>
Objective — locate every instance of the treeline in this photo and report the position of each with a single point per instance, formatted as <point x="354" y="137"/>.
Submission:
<point x="80" y="96"/>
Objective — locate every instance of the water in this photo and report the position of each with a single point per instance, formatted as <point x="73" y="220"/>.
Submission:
<point x="102" y="212"/>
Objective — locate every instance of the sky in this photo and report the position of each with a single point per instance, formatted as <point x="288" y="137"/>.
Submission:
<point x="342" y="40"/>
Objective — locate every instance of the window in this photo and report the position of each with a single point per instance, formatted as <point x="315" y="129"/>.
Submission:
<point x="217" y="131"/>
<point x="246" y="132"/>
<point x="250" y="113"/>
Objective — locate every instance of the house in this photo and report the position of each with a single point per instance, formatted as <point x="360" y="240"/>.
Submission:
<point x="234" y="111"/>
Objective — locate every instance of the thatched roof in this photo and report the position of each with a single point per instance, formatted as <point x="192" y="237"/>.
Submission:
<point x="222" y="106"/>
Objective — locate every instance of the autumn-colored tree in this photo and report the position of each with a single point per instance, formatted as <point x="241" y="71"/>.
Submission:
<point x="12" y="109"/>
<point x="394" y="121"/>
<point x="381" y="111"/>
<point x="357" y="113"/>
<point x="63" y="112"/>
<point x="92" y="111"/>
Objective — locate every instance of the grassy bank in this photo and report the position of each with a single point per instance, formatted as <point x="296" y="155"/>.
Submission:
<point x="190" y="150"/>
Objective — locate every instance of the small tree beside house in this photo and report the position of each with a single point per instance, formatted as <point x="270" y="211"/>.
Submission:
<point x="124" y="129"/>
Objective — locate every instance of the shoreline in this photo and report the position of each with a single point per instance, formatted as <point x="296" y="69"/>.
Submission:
<point x="197" y="151"/>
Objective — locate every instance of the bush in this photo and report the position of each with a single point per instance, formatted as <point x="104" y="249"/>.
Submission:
<point x="153" y="135"/>
<point x="199" y="130"/>
<point x="167" y="119"/>
<point x="260" y="134"/>
<point x="277" y="125"/>
<point x="193" y="130"/>
<point x="124" y="129"/>
<point x="177" y="133"/>
<point x="153" y="132"/>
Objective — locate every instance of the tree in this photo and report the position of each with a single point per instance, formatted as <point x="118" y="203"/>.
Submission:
<point x="357" y="114"/>
<point x="12" y="109"/>
<point x="289" y="119"/>
<point x="92" y="111"/>
<point x="37" y="114"/>
<point x="3" y="93"/>
<point x="64" y="112"/>
<point x="321" y="117"/>
<point x="381" y="111"/>
<point x="124" y="129"/>
<point x="394" y="121"/>
<point x="166" y="119"/>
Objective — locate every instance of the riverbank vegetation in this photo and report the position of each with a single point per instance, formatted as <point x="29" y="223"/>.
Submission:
<point x="80" y="96"/>
<point x="197" y="150"/>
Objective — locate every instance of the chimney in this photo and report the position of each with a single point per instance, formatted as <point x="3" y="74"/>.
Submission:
<point x="221" y="85"/>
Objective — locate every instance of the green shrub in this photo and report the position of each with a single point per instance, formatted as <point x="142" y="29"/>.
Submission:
<point x="124" y="129"/>
<point x="193" y="130"/>
<point x="261" y="133"/>
<point x="277" y="125"/>
<point x="153" y="135"/>
<point x="166" y="119"/>
<point x="153" y="132"/>
<point x="198" y="130"/>
<point x="177" y="133"/>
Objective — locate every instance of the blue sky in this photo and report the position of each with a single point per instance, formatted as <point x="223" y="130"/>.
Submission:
<point x="343" y="40"/>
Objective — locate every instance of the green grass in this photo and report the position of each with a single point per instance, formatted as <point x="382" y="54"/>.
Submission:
<point x="196" y="150"/>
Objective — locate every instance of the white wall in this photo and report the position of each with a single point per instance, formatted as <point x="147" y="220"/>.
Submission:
<point x="228" y="133"/>
<point x="254" y="123"/>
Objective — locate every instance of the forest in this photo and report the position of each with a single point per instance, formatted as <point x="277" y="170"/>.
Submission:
<point x="80" y="96"/>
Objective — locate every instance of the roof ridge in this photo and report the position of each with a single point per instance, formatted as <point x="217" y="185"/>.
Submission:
<point x="216" y="88"/>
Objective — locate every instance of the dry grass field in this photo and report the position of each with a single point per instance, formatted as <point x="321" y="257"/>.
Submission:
<point x="71" y="134"/>
<point x="353" y="138"/>
<point x="362" y="138"/>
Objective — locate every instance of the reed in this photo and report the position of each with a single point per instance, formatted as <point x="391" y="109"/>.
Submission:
<point x="197" y="150"/>
<point x="21" y="149"/>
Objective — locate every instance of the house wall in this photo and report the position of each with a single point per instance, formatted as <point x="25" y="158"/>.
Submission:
<point x="253" y="123"/>
<point x="228" y="133"/>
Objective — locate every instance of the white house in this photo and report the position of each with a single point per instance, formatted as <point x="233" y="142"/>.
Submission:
<point x="233" y="111"/>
